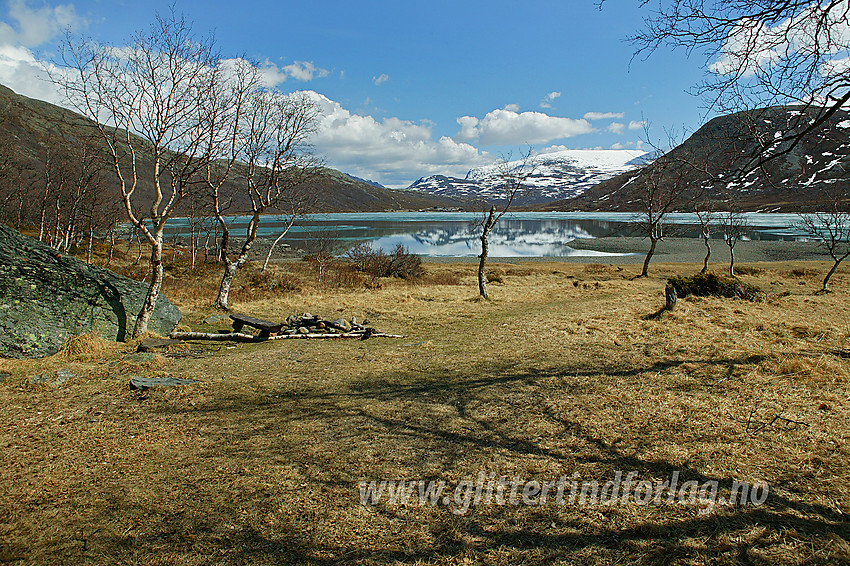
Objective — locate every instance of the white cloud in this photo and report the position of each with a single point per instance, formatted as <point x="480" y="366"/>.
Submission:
<point x="628" y="145"/>
<point x="551" y="149"/>
<point x="616" y="127"/>
<point x="388" y="150"/>
<point x="835" y="67"/>
<point x="273" y="75"/>
<point x="754" y="47"/>
<point x="380" y="79"/>
<point x="604" y="115"/>
<point x="21" y="71"/>
<point x="750" y="45"/>
<point x="305" y="71"/>
<point x="33" y="27"/>
<point x="637" y="125"/>
<point x="512" y="107"/>
<point x="509" y="127"/>
<point x="548" y="99"/>
<point x="26" y="28"/>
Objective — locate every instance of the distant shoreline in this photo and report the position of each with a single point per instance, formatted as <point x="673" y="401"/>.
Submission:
<point x="671" y="250"/>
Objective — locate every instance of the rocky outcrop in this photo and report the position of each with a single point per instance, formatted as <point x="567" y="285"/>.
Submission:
<point x="47" y="297"/>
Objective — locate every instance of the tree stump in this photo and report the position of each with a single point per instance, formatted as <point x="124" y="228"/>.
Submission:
<point x="670" y="297"/>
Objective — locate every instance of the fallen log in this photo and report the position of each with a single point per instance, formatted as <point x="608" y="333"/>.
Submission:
<point x="331" y="335"/>
<point x="240" y="337"/>
<point x="216" y="336"/>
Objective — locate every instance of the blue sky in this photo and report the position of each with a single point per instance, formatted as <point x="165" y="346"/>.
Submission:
<point x="410" y="89"/>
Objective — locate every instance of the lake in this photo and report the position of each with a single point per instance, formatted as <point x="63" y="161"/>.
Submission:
<point x="518" y="234"/>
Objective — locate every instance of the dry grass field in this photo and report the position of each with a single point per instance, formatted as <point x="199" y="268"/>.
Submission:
<point x="563" y="372"/>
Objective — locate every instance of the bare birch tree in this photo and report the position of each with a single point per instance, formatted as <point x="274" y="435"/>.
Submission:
<point x="662" y="186"/>
<point x="706" y="216"/>
<point x="72" y="170"/>
<point x="735" y="226"/>
<point x="830" y="227"/>
<point x="295" y="204"/>
<point x="147" y="101"/>
<point x="276" y="156"/>
<point x="512" y="176"/>
<point x="17" y="180"/>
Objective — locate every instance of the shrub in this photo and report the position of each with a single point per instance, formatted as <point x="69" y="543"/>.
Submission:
<point x="405" y="264"/>
<point x="712" y="285"/>
<point x="365" y="259"/>
<point x="376" y="263"/>
<point x="803" y="272"/>
<point x="595" y="268"/>
<point x="270" y="281"/>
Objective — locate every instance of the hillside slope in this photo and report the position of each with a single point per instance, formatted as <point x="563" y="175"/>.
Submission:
<point x="25" y="123"/>
<point x="708" y="160"/>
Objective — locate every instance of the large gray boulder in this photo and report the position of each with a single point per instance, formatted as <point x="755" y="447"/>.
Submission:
<point x="47" y="297"/>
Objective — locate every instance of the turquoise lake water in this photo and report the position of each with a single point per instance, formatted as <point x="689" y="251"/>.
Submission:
<point x="518" y="234"/>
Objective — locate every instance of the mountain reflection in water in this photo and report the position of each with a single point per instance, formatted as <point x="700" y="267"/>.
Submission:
<point x="510" y="238"/>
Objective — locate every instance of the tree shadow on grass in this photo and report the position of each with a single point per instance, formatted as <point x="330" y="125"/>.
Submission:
<point x="497" y="418"/>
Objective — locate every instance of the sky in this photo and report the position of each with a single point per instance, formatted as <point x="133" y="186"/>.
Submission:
<point x="409" y="89"/>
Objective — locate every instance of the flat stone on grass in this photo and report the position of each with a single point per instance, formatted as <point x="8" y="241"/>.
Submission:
<point x="144" y="383"/>
<point x="58" y="378"/>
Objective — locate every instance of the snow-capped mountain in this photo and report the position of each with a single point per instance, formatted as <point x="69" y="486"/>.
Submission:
<point x="559" y="175"/>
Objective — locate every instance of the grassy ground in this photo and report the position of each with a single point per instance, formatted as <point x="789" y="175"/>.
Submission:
<point x="562" y="372"/>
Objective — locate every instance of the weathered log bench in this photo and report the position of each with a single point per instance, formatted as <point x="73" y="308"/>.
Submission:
<point x="265" y="327"/>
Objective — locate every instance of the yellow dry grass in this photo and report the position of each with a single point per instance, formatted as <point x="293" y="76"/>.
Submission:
<point x="561" y="372"/>
<point x="85" y="345"/>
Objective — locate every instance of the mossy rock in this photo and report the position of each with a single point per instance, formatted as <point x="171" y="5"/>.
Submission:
<point x="47" y="297"/>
